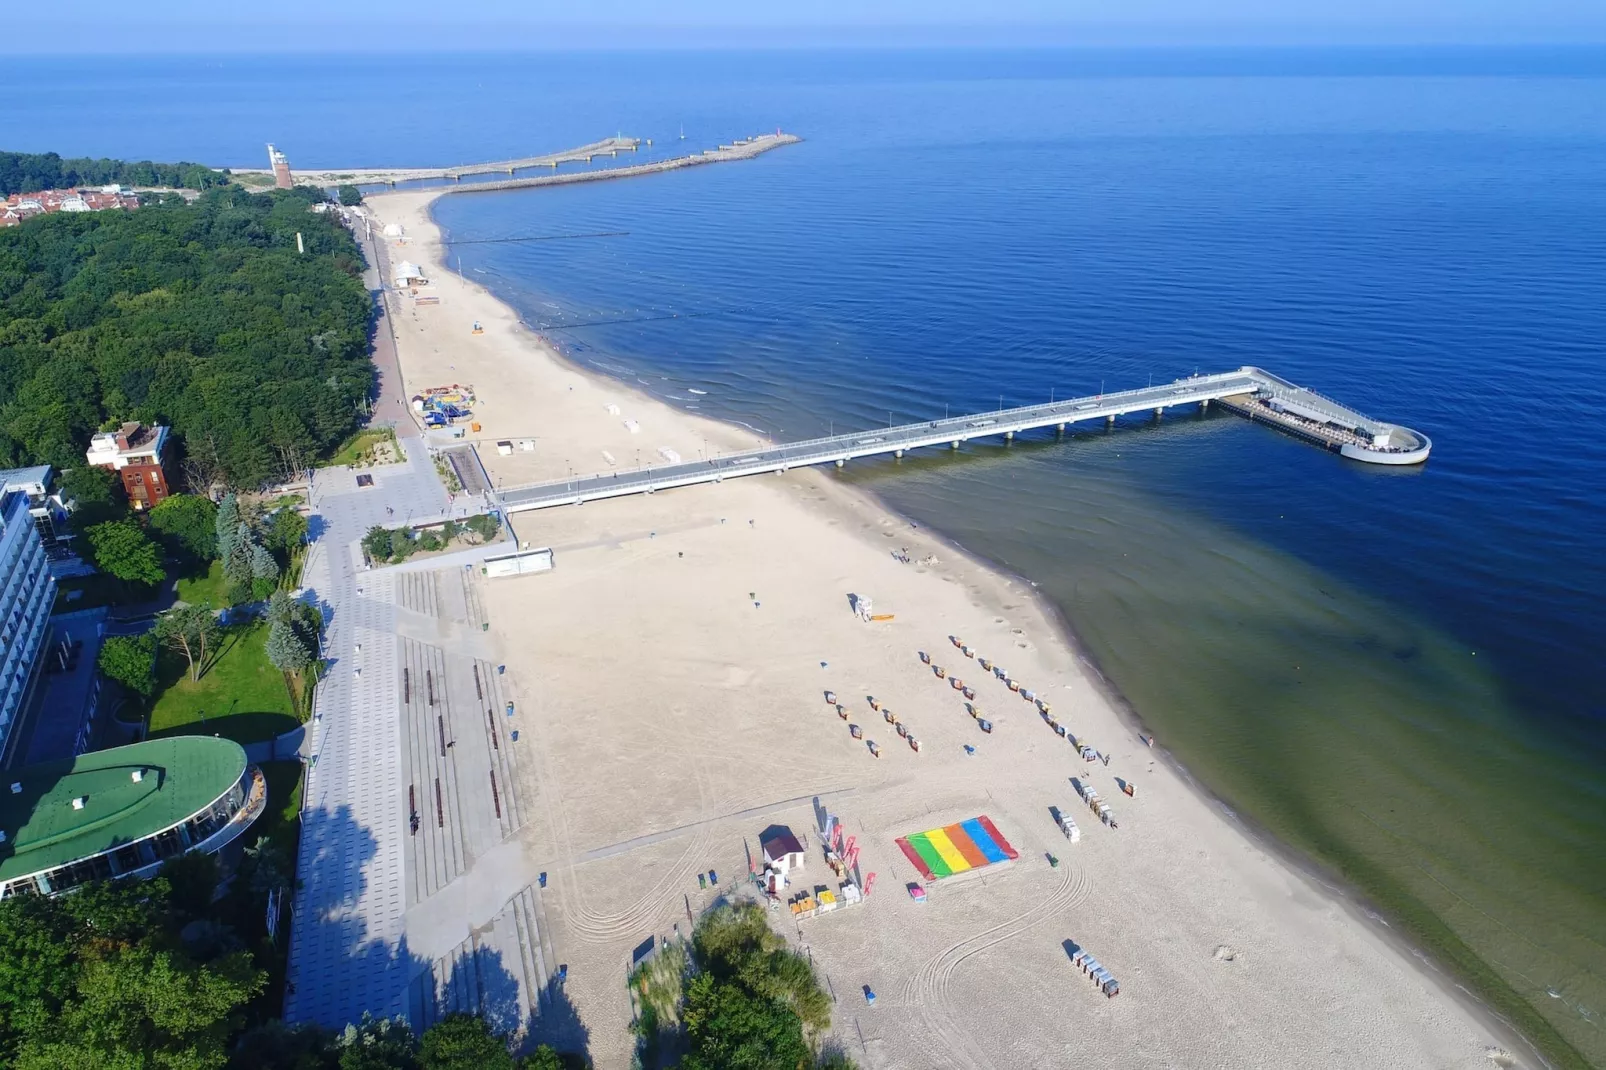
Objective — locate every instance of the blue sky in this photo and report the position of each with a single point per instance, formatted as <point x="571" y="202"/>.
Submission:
<point x="89" y="26"/>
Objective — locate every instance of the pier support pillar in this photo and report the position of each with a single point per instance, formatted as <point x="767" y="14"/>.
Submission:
<point x="1009" y="436"/>
<point x="1159" y="411"/>
<point x="1060" y="429"/>
<point x="898" y="454"/>
<point x="954" y="444"/>
<point x="840" y="462"/>
<point x="1203" y="405"/>
<point x="1110" y="420"/>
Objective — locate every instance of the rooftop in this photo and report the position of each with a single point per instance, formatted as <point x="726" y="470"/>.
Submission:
<point x="178" y="776"/>
<point x="24" y="477"/>
<point x="778" y="841"/>
<point x="131" y="437"/>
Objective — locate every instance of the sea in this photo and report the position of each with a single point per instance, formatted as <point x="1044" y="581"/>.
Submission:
<point x="1397" y="674"/>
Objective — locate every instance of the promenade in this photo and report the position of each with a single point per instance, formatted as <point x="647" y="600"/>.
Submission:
<point x="415" y="894"/>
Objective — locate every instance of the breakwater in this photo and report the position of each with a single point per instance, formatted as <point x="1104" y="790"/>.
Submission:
<point x="742" y="149"/>
<point x="390" y="176"/>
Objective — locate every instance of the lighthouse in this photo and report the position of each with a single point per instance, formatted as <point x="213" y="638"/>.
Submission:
<point x="280" y="163"/>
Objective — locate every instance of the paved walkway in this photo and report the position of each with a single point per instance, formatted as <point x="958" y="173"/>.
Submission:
<point x="348" y="949"/>
<point x="391" y="917"/>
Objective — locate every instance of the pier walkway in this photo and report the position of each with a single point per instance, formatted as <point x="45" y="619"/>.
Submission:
<point x="1248" y="391"/>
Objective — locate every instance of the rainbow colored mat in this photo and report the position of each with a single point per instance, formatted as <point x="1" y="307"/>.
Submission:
<point x="972" y="844"/>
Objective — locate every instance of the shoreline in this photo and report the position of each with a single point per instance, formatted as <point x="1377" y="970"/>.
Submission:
<point x="1312" y="870"/>
<point x="846" y="500"/>
<point x="1316" y="873"/>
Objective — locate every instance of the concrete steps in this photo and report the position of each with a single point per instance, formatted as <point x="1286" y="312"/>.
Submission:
<point x="451" y="984"/>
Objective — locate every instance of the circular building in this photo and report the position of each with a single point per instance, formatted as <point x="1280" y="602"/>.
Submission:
<point x="123" y="812"/>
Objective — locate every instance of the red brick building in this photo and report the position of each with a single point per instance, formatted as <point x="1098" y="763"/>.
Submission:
<point x="134" y="452"/>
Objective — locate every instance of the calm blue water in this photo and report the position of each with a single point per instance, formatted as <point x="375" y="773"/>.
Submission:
<point x="1417" y="234"/>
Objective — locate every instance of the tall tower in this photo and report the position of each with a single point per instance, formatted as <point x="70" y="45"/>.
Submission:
<point x="281" y="168"/>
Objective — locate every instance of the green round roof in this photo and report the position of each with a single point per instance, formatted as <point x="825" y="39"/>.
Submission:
<point x="177" y="777"/>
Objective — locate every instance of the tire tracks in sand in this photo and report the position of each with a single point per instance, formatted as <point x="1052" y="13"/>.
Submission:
<point x="928" y="990"/>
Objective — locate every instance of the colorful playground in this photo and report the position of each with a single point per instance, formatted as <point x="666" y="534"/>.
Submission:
<point x="959" y="848"/>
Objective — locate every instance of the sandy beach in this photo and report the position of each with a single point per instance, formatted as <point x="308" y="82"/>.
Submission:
<point x="669" y="676"/>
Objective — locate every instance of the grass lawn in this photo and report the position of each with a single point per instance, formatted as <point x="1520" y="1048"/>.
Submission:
<point x="209" y="588"/>
<point x="241" y="695"/>
<point x="281" y="821"/>
<point x="96" y="591"/>
<point x="359" y="448"/>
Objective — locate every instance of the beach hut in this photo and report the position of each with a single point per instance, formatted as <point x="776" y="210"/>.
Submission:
<point x="782" y="851"/>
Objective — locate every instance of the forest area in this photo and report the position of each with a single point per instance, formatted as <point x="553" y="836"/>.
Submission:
<point x="29" y="172"/>
<point x="202" y="316"/>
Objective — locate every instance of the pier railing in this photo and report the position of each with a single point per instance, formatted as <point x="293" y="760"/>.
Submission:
<point x="950" y="431"/>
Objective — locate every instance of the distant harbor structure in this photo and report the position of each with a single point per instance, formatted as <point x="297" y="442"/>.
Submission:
<point x="612" y="147"/>
<point x="1250" y="392"/>
<point x="279" y="164"/>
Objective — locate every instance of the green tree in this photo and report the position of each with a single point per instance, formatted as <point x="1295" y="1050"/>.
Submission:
<point x="27" y="172"/>
<point x="731" y="1028"/>
<point x="291" y="644"/>
<point x="754" y="1002"/>
<point x="483" y="526"/>
<point x="378" y="1044"/>
<point x="130" y="660"/>
<point x="108" y="914"/>
<point x="187" y="526"/>
<point x="544" y="1057"/>
<point x="96" y="496"/>
<point x="237" y="566"/>
<point x="138" y="1008"/>
<point x="226" y="528"/>
<point x="191" y="631"/>
<point x="287" y="531"/>
<point x="37" y="967"/>
<point x="378" y="543"/>
<point x="350" y="196"/>
<point x="119" y="548"/>
<point x="264" y="867"/>
<point x="463" y="1042"/>
<point x="273" y="1045"/>
<point x="192" y="882"/>
<point x="264" y="571"/>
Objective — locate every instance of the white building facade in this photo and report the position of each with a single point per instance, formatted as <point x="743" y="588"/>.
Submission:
<point x="27" y="593"/>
